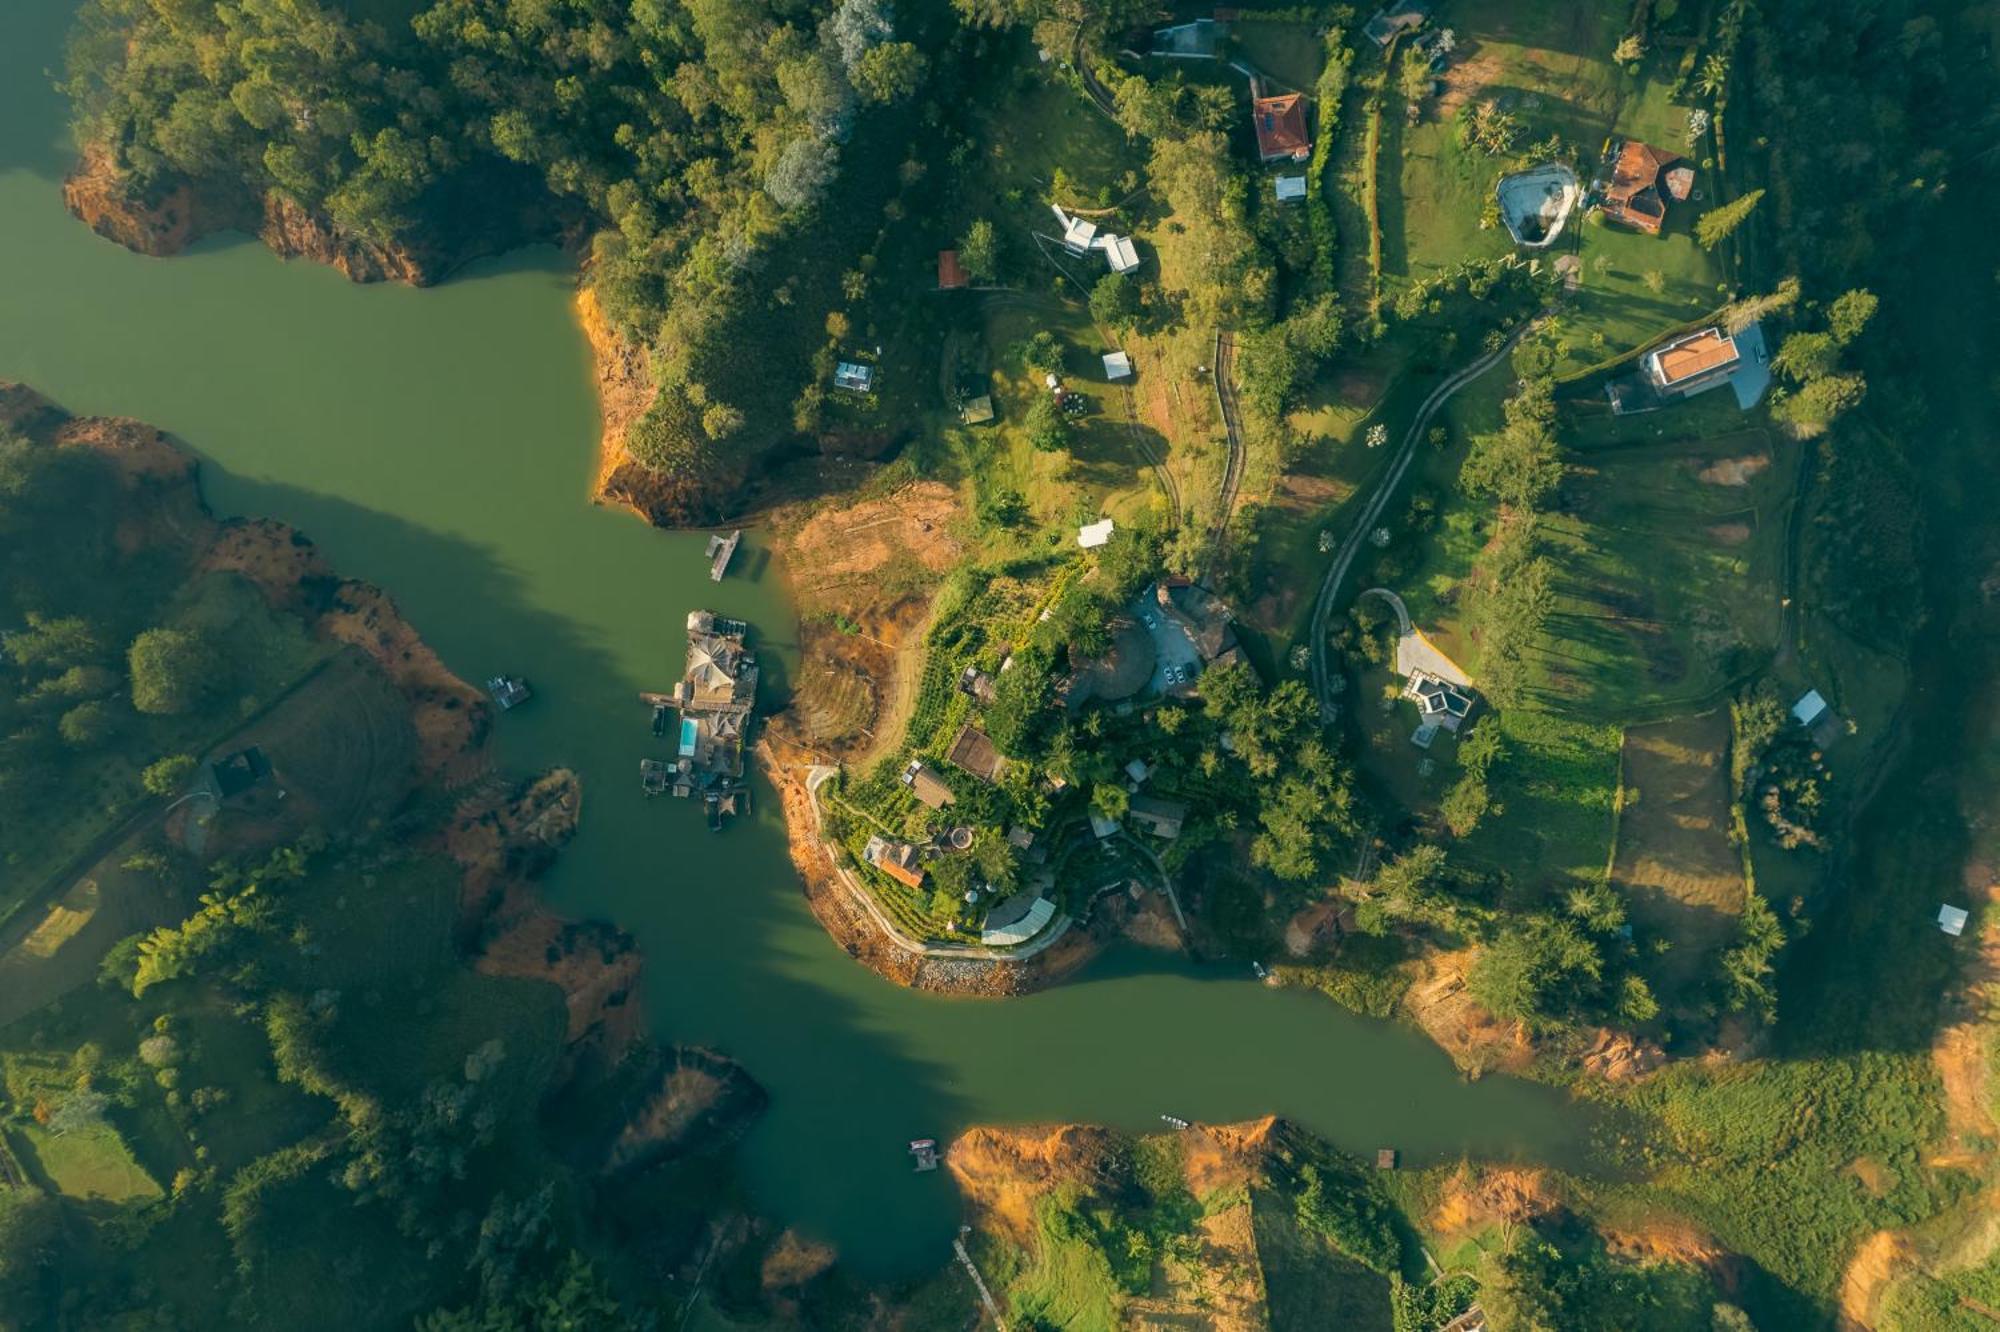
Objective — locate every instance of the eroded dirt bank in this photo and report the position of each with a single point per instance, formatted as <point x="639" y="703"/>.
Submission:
<point x="487" y="213"/>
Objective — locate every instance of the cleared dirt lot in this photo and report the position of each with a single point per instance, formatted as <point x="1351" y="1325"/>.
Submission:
<point x="1674" y="864"/>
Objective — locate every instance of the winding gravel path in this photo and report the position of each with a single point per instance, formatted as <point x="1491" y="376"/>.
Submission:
<point x="1371" y="513"/>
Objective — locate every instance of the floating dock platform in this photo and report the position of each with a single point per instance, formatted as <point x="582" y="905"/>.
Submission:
<point x="721" y="550"/>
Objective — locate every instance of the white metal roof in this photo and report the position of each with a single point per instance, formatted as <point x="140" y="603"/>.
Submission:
<point x="1022" y="930"/>
<point x="1952" y="919"/>
<point x="1117" y="365"/>
<point x="1290" y="187"/>
<point x="1092" y="535"/>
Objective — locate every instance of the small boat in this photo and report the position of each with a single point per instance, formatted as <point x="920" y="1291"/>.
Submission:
<point x="660" y="718"/>
<point x="926" y="1152"/>
<point x="1257" y="969"/>
<point x="509" y="691"/>
<point x="1177" y="1121"/>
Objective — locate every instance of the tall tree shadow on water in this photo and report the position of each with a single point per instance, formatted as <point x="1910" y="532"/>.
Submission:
<point x="718" y="916"/>
<point x="34" y="117"/>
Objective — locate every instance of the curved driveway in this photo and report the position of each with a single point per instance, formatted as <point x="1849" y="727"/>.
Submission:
<point x="1371" y="513"/>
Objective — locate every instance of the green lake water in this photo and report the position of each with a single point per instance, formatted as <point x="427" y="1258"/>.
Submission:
<point x="439" y="443"/>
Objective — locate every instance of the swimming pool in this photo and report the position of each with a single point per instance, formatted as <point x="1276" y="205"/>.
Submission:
<point x="689" y="730"/>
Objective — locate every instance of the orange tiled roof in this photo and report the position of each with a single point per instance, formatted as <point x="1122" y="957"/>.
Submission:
<point x="1698" y="355"/>
<point x="1281" y="126"/>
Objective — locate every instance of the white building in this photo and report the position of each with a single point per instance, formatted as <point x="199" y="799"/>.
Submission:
<point x="1092" y="535"/>
<point x="1117" y="365"/>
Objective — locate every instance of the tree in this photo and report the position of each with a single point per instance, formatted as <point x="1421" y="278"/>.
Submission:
<point x="1487" y="127"/>
<point x="88" y="724"/>
<point x="1630" y="47"/>
<point x="1807" y="356"/>
<point x="889" y="73"/>
<point x="30" y="1235"/>
<point x="1416" y="79"/>
<point x="1537" y="971"/>
<point x="1520" y="465"/>
<point x="1850" y="313"/>
<point x="979" y="251"/>
<point x="165" y="777"/>
<point x="669" y="437"/>
<point x="1047" y="430"/>
<point x="51" y="644"/>
<point x="1714" y="75"/>
<point x="1714" y="226"/>
<point x="1655" y="280"/>
<point x="1114" y="300"/>
<point x="173" y="672"/>
<point x="1816" y="404"/>
<point x="1044" y="352"/>
<point x="801" y="173"/>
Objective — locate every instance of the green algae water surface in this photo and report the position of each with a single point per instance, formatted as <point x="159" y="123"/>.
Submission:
<point x="439" y="443"/>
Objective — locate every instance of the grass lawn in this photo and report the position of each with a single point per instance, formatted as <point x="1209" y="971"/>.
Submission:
<point x="1549" y="64"/>
<point x="1553" y="794"/>
<point x="1067" y="1282"/>
<point x="1291" y="53"/>
<point x="1103" y="471"/>
<point x="1668" y="570"/>
<point x="87" y="1163"/>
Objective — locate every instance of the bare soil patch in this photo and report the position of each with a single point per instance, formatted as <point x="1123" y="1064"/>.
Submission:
<point x="1474" y="1198"/>
<point x="1734" y="471"/>
<point x="1730" y="534"/>
<point x="1876" y="1262"/>
<point x="1477" y="1041"/>
<point x="1465" y="80"/>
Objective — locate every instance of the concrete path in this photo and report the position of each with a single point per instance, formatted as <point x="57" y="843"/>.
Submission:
<point x="985" y="1295"/>
<point x="1414" y="652"/>
<point x="1371" y="513"/>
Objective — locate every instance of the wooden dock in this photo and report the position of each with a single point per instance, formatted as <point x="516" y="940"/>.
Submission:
<point x="721" y="550"/>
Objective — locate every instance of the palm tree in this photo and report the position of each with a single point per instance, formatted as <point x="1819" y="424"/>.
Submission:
<point x="1714" y="75"/>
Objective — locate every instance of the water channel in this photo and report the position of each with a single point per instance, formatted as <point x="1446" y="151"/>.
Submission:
<point x="439" y="443"/>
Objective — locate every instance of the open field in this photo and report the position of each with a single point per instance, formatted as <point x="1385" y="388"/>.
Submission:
<point x="1674" y="864"/>
<point x="1553" y="793"/>
<point x="1668" y="570"/>
<point x="1106" y="469"/>
<point x="1289" y="52"/>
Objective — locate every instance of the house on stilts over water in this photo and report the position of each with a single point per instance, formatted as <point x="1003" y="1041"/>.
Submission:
<point x="715" y="699"/>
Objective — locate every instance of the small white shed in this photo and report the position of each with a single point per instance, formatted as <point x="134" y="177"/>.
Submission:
<point x="1092" y="535"/>
<point x="1117" y="365"/>
<point x="1809" y="709"/>
<point x="1952" y="919"/>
